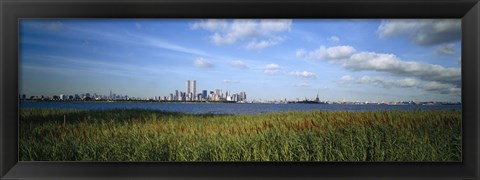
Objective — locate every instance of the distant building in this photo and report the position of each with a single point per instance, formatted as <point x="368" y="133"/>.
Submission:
<point x="187" y="86"/>
<point x="243" y="96"/>
<point x="204" y="94"/>
<point x="194" y="88"/>
<point x="183" y="96"/>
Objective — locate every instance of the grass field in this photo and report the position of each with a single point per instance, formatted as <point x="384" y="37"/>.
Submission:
<point x="144" y="135"/>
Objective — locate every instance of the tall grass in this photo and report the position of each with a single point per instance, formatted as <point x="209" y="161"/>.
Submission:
<point x="146" y="135"/>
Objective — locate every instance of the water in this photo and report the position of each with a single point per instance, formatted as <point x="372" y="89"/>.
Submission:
<point x="227" y="108"/>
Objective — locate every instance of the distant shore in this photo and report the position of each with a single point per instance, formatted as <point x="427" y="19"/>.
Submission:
<point x="252" y="102"/>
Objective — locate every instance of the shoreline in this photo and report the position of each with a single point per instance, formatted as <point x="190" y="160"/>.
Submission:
<point x="233" y="102"/>
<point x="243" y="114"/>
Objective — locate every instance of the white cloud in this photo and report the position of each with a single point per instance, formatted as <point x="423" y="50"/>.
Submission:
<point x="423" y="32"/>
<point x="229" y="32"/>
<point x="254" y="45"/>
<point x="202" y="63"/>
<point x="303" y="74"/>
<point x="271" y="69"/>
<point x="446" y="49"/>
<point x="334" y="39"/>
<point x="346" y="78"/>
<point x="238" y="64"/>
<point x="389" y="63"/>
<point x="211" y="25"/>
<point x="431" y="86"/>
<point x="269" y="26"/>
<point x="336" y="52"/>
<point x="441" y="87"/>
<point x="431" y="76"/>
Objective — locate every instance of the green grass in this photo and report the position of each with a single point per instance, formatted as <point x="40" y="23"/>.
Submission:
<point x="145" y="135"/>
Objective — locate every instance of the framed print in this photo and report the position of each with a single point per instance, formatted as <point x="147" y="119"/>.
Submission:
<point x="224" y="89"/>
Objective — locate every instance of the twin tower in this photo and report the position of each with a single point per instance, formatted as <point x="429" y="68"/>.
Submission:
<point x="191" y="89"/>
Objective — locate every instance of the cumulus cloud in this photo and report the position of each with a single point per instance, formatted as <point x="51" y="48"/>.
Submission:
<point x="441" y="87"/>
<point x="202" y="63"/>
<point x="303" y="74"/>
<point x="230" y="32"/>
<point x="389" y="63"/>
<point x="425" y="32"/>
<point x="431" y="77"/>
<point x="430" y="86"/>
<point x="334" y="39"/>
<point x="258" y="45"/>
<point x="446" y="49"/>
<point x="335" y="52"/>
<point x="238" y="64"/>
<point x="54" y="26"/>
<point x="271" y="69"/>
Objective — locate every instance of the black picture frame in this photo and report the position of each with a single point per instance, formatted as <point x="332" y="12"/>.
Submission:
<point x="467" y="10"/>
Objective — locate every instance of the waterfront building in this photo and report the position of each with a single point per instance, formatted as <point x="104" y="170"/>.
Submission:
<point x="177" y="95"/>
<point x="243" y="96"/>
<point x="191" y="94"/>
<point x="218" y="92"/>
<point x="194" y="88"/>
<point x="183" y="96"/>
<point x="187" y="86"/>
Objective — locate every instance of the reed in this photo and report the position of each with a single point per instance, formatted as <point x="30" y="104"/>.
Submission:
<point x="147" y="135"/>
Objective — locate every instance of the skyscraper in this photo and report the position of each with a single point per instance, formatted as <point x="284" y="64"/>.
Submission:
<point x="194" y="88"/>
<point x="187" y="86"/>
<point x="204" y="94"/>
<point x="243" y="96"/>
<point x="177" y="95"/>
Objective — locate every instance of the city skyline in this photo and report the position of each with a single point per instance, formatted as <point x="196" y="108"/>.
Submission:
<point x="366" y="60"/>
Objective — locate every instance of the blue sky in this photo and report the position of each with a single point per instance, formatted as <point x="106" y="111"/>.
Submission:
<point x="353" y="60"/>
